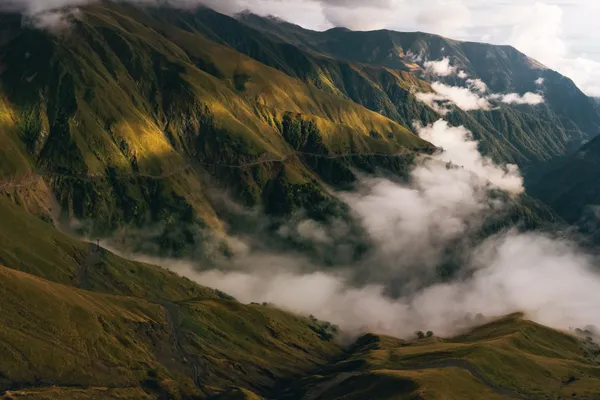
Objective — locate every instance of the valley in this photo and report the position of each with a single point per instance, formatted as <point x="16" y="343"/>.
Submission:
<point x="202" y="206"/>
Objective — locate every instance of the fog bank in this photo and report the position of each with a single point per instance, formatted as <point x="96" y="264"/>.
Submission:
<point x="412" y="226"/>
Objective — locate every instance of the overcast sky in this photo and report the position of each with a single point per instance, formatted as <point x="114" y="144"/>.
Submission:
<point x="563" y="34"/>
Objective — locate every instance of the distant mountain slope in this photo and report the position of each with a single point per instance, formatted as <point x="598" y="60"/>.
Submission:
<point x="538" y="135"/>
<point x="572" y="186"/>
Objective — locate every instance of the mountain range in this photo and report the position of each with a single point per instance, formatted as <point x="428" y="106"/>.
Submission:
<point x="165" y="130"/>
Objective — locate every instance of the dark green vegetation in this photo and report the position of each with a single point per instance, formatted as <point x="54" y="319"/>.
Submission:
<point x="571" y="188"/>
<point x="128" y="121"/>
<point x="129" y="115"/>
<point x="133" y="114"/>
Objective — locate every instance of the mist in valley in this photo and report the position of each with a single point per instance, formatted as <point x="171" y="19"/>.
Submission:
<point x="413" y="228"/>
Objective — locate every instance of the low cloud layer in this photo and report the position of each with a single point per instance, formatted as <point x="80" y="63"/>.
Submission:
<point x="461" y="149"/>
<point x="412" y="225"/>
<point x="548" y="279"/>
<point x="464" y="98"/>
<point x="440" y="68"/>
<point x="514" y="98"/>
<point x="473" y="96"/>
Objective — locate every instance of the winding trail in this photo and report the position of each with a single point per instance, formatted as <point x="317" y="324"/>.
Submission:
<point x="40" y="390"/>
<point x="94" y="257"/>
<point x="316" y="392"/>
<point x="91" y="260"/>
<point x="172" y="316"/>
<point x="466" y="365"/>
<point x="27" y="180"/>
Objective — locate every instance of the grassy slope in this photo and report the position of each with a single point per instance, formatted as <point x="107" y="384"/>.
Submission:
<point x="509" y="358"/>
<point x="135" y="328"/>
<point x="94" y="345"/>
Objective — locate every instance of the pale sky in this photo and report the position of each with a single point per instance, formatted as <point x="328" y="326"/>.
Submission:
<point x="563" y="34"/>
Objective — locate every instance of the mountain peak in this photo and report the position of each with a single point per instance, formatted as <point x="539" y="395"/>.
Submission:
<point x="338" y="29"/>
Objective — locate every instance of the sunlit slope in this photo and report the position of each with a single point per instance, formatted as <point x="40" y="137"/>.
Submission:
<point x="132" y="116"/>
<point x="56" y="335"/>
<point x="123" y="113"/>
<point x="509" y="358"/>
<point x="80" y="322"/>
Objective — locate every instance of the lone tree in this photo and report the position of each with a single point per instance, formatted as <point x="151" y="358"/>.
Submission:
<point x="420" y="334"/>
<point x="429" y="334"/>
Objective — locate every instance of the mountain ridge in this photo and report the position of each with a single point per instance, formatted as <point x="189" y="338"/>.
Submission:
<point x="492" y="73"/>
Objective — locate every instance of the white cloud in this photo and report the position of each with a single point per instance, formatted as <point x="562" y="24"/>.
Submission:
<point x="471" y="98"/>
<point x="440" y="68"/>
<point x="461" y="149"/>
<point x="437" y="102"/>
<point x="550" y="280"/>
<point x="52" y="20"/>
<point x="515" y="98"/>
<point x="539" y="81"/>
<point x="463" y="98"/>
<point x="537" y="30"/>
<point x="411" y="226"/>
<point x="584" y="72"/>
<point x="477" y="84"/>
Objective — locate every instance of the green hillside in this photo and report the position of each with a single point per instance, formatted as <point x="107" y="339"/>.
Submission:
<point x="170" y="129"/>
<point x="126" y="116"/>
<point x="131" y="117"/>
<point x="80" y="322"/>
<point x="506" y="359"/>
